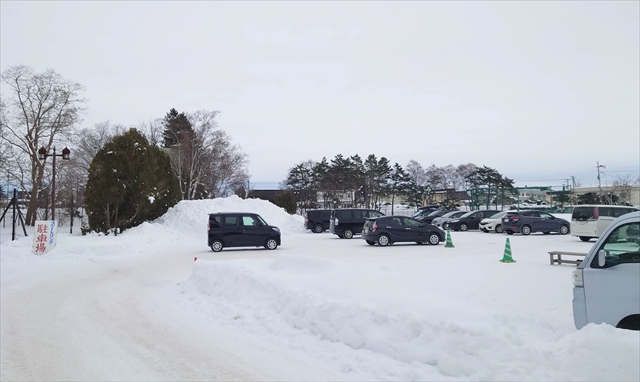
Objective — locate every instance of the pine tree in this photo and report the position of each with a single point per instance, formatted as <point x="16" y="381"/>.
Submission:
<point x="177" y="128"/>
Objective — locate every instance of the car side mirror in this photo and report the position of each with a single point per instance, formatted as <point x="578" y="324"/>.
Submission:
<point x="601" y="258"/>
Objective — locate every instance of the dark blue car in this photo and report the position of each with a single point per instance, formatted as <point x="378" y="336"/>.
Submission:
<point x="526" y="222"/>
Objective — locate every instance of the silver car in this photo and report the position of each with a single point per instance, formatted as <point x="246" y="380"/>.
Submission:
<point x="443" y="221"/>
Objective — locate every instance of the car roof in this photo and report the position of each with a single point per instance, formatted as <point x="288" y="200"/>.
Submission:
<point x="233" y="213"/>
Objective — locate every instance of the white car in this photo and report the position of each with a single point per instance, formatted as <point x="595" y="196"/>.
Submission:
<point x="443" y="221"/>
<point x="493" y="223"/>
<point x="605" y="283"/>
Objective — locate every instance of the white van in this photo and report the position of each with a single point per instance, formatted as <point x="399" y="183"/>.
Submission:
<point x="607" y="282"/>
<point x="590" y="220"/>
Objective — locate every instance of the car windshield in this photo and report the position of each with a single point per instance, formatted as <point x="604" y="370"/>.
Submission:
<point x="498" y="215"/>
<point x="262" y="220"/>
<point x="434" y="213"/>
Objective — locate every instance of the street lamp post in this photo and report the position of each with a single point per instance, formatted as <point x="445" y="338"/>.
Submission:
<point x="42" y="155"/>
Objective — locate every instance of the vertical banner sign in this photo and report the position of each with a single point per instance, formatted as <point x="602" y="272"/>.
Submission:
<point x="44" y="238"/>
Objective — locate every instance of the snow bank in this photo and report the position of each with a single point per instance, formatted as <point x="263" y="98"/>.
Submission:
<point x="293" y="297"/>
<point x="190" y="217"/>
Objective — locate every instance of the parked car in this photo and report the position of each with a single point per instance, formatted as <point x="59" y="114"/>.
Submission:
<point x="387" y="230"/>
<point x="430" y="207"/>
<point x="443" y="221"/>
<point x="434" y="214"/>
<point x="529" y="221"/>
<point x="346" y="222"/>
<point x="470" y="220"/>
<point x="606" y="281"/>
<point x="493" y="223"/>
<point x="317" y="220"/>
<point x="241" y="229"/>
<point x="590" y="221"/>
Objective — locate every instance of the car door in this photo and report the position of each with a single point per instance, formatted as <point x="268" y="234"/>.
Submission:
<point x="533" y="219"/>
<point x="252" y="230"/>
<point x="232" y="235"/>
<point x="548" y="223"/>
<point x="611" y="292"/>
<point x="396" y="228"/>
<point x="474" y="220"/>
<point x="414" y="230"/>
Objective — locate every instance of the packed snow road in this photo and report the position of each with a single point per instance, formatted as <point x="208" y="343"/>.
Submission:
<point x="101" y="320"/>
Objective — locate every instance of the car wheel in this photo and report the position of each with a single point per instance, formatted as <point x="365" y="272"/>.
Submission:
<point x="383" y="240"/>
<point x="509" y="232"/>
<point x="463" y="227"/>
<point x="434" y="239"/>
<point x="271" y="244"/>
<point x="348" y="233"/>
<point x="217" y="245"/>
<point x="525" y="230"/>
<point x="371" y="242"/>
<point x="499" y="228"/>
<point x="585" y="238"/>
<point x="564" y="230"/>
<point x="318" y="228"/>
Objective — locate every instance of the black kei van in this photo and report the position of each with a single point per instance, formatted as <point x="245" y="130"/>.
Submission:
<point x="241" y="229"/>
<point x="346" y="222"/>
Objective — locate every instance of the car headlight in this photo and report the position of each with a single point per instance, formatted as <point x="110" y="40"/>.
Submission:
<point x="454" y="221"/>
<point x="275" y="229"/>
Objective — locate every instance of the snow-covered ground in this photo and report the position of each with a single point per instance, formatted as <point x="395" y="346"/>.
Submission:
<point x="316" y="308"/>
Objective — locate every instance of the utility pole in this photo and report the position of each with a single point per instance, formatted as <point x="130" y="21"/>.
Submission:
<point x="600" y="184"/>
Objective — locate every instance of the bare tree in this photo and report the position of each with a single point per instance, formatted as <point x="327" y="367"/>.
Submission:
<point x="202" y="156"/>
<point x="41" y="111"/>
<point x="228" y="166"/>
<point x="88" y="141"/>
<point x="417" y="172"/>
<point x="623" y="186"/>
<point x="152" y="129"/>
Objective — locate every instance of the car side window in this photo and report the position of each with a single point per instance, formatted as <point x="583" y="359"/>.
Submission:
<point x="230" y="221"/>
<point x="215" y="221"/>
<point x="396" y="222"/>
<point x="248" y="220"/>
<point x="545" y="215"/>
<point x="343" y="215"/>
<point x="623" y="245"/>
<point x="359" y="214"/>
<point x="488" y="214"/>
<point x="411" y="222"/>
<point x="531" y="214"/>
<point x="375" y="214"/>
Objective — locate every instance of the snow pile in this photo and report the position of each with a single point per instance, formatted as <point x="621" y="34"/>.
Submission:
<point x="429" y="335"/>
<point x="190" y="217"/>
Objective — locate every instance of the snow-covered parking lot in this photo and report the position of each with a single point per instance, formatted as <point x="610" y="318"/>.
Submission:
<point x="316" y="308"/>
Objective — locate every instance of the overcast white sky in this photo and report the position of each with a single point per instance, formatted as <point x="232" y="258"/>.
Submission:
<point x="540" y="91"/>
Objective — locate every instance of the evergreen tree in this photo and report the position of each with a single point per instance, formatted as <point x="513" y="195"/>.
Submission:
<point x="129" y="182"/>
<point x="177" y="128"/>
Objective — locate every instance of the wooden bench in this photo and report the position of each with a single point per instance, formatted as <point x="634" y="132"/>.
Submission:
<point x="555" y="257"/>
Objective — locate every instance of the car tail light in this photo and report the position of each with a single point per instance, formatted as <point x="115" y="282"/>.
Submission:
<point x="595" y="213"/>
<point x="375" y="227"/>
<point x="306" y="220"/>
<point x="577" y="277"/>
<point x="209" y="226"/>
